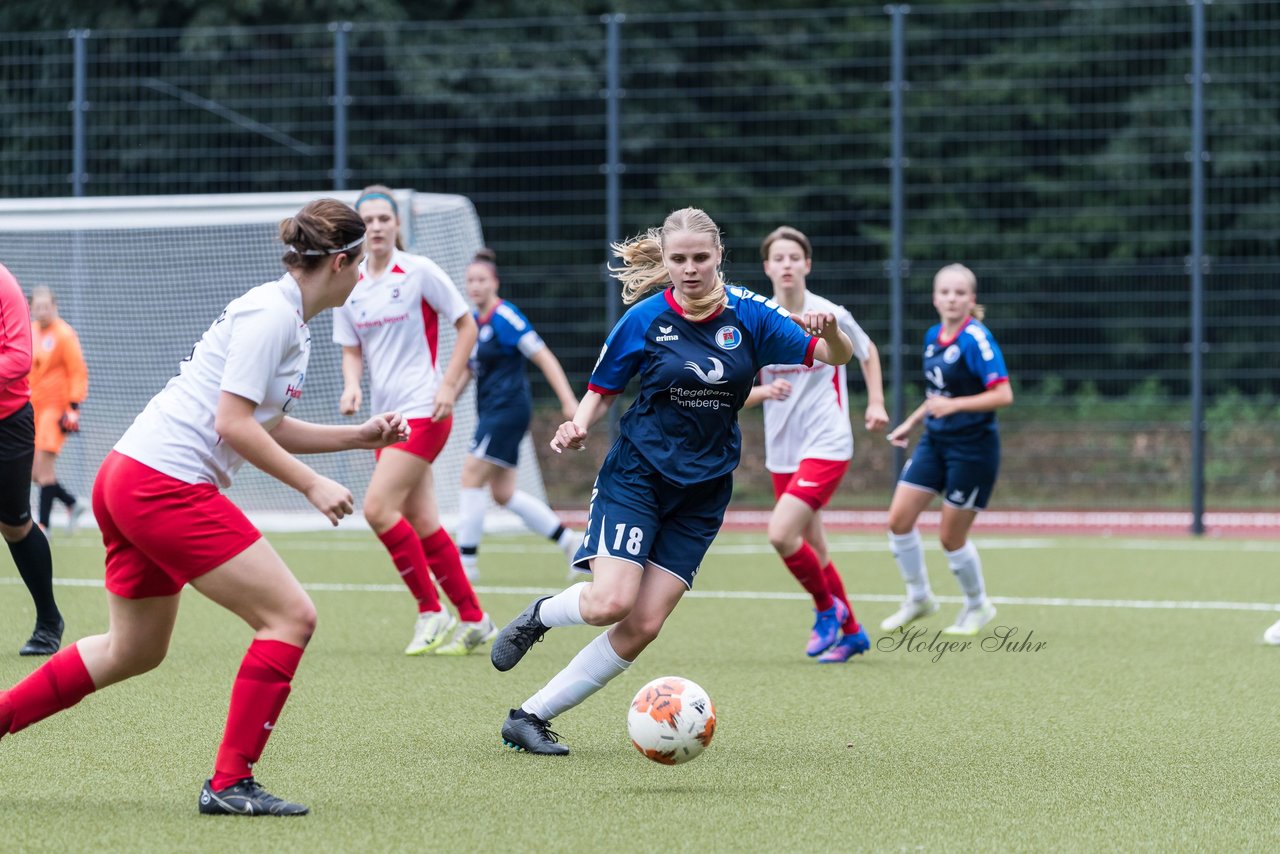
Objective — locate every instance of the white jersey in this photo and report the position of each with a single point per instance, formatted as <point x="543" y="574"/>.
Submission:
<point x="258" y="349"/>
<point x="813" y="423"/>
<point x="395" y="320"/>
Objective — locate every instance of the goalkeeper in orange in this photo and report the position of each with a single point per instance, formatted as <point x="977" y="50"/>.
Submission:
<point x="59" y="381"/>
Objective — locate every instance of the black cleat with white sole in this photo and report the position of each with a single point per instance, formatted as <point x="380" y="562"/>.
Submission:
<point x="530" y="733"/>
<point x="245" y="798"/>
<point x="517" y="636"/>
<point x="45" y="640"/>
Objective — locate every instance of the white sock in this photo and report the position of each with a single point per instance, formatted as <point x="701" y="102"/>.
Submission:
<point x="569" y="537"/>
<point x="564" y="608"/>
<point x="471" y="507"/>
<point x="967" y="567"/>
<point x="537" y="516"/>
<point x="590" y="670"/>
<point x="908" y="551"/>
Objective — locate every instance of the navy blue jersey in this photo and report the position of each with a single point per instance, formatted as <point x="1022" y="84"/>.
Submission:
<point x="506" y="339"/>
<point x="694" y="377"/>
<point x="968" y="364"/>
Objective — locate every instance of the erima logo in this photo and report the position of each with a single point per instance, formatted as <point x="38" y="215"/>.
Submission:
<point x="666" y="335"/>
<point x="716" y="377"/>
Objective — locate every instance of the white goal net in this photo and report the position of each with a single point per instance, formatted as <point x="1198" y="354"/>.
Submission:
<point x="141" y="278"/>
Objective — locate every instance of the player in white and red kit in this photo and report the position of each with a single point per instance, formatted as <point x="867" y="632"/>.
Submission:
<point x="391" y="323"/>
<point x="165" y="523"/>
<point x="808" y="446"/>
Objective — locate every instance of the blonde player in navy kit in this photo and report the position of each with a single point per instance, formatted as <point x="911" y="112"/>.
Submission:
<point x="165" y="523"/>
<point x="958" y="457"/>
<point x="660" y="497"/>
<point x="391" y="323"/>
<point x="504" y="406"/>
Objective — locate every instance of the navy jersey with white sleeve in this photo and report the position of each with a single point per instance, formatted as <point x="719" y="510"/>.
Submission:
<point x="968" y="364"/>
<point x="694" y="377"/>
<point x="506" y="339"/>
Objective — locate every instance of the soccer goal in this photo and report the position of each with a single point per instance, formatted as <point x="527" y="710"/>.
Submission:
<point x="140" y="279"/>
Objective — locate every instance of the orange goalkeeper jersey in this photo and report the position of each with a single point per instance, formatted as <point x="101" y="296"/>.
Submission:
<point x="58" y="373"/>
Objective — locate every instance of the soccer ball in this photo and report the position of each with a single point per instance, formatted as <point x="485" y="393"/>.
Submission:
<point x="671" y="720"/>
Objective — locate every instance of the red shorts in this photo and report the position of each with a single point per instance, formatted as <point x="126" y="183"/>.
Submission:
<point x="813" y="483"/>
<point x="426" y="438"/>
<point x="161" y="533"/>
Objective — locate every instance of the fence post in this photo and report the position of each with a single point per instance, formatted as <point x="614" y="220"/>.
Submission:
<point x="340" y="100"/>
<point x="1197" y="262"/>
<point x="613" y="169"/>
<point x="897" y="267"/>
<point x="79" y="106"/>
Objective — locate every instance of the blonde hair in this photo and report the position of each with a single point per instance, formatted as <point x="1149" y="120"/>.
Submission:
<point x="785" y="232"/>
<point x="643" y="269"/>
<point x="978" y="311"/>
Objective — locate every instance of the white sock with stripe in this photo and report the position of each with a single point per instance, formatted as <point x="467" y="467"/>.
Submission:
<point x="590" y="670"/>
<point x="537" y="516"/>
<point x="966" y="564"/>
<point x="908" y="551"/>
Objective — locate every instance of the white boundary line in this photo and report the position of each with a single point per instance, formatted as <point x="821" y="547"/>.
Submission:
<point x="770" y="596"/>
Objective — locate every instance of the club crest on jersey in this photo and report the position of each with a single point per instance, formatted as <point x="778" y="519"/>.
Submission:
<point x="952" y="354"/>
<point x="665" y="335"/>
<point x="395" y="293"/>
<point x="486" y="332"/>
<point x="716" y="374"/>
<point x="728" y="338"/>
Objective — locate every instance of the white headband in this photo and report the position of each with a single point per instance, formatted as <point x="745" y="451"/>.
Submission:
<point x="352" y="245"/>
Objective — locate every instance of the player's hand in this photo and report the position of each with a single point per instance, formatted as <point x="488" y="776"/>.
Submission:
<point x="349" y="403"/>
<point x="876" y="417"/>
<point x="778" y="390"/>
<point x="569" y="435"/>
<point x="330" y="498"/>
<point x="70" y="421"/>
<point x="940" y="407"/>
<point x="383" y="430"/>
<point x="898" y="436"/>
<point x="445" y="397"/>
<point x="821" y="324"/>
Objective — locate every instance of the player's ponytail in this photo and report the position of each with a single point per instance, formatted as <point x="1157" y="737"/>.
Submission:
<point x="485" y="255"/>
<point x="322" y="228"/>
<point x="643" y="269"/>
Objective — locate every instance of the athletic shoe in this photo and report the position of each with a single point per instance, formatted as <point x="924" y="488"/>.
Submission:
<point x="826" y="628"/>
<point x="971" y="619"/>
<point x="74" y="512"/>
<point x="518" y="636"/>
<point x="1272" y="635"/>
<point x="430" y="631"/>
<point x="910" y="611"/>
<point x="569" y="542"/>
<point x="245" y="798"/>
<point x="468" y="636"/>
<point x="530" y="733"/>
<point x="45" y="640"/>
<point x="846" y="648"/>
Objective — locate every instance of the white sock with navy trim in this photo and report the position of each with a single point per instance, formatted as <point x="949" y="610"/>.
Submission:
<point x="537" y="516"/>
<point x="471" y="506"/>
<point x="908" y="551"/>
<point x="966" y="564"/>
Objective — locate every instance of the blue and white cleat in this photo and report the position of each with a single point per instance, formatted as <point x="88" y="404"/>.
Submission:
<point x="826" y="628"/>
<point x="846" y="648"/>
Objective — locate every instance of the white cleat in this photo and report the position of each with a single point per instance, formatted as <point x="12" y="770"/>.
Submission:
<point x="73" y="517"/>
<point x="971" y="619"/>
<point x="469" y="636"/>
<point x="430" y="631"/>
<point x="910" y="611"/>
<point x="1272" y="635"/>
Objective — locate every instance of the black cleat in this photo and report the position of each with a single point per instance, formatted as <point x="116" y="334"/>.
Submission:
<point x="517" y="636"/>
<point x="530" y="733"/>
<point x="245" y="798"/>
<point x="45" y="640"/>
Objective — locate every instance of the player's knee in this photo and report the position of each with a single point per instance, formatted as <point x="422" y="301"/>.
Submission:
<point x="784" y="542"/>
<point x="502" y="494"/>
<point x="302" y="620"/>
<point x="901" y="522"/>
<point x="952" y="542"/>
<point x="136" y="659"/>
<point x="378" y="513"/>
<point x="605" y="608"/>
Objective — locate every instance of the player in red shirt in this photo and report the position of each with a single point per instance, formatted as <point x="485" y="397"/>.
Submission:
<point x="165" y="522"/>
<point x="26" y="541"/>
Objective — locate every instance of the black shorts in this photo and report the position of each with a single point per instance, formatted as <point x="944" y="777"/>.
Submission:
<point x="17" y="452"/>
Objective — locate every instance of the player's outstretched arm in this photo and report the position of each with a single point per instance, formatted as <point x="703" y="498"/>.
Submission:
<point x="776" y="390"/>
<point x="573" y="434"/>
<point x="996" y="397"/>
<point x="876" y="416"/>
<point x="552" y="370"/>
<point x="898" y="436"/>
<point x="448" y="391"/>
<point x="303" y="437"/>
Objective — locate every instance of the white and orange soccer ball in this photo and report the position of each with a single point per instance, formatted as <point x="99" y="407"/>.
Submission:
<point x="671" y="720"/>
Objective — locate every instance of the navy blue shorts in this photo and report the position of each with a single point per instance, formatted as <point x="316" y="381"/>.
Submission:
<point x="962" y="470"/>
<point x="639" y="516"/>
<point x="498" y="435"/>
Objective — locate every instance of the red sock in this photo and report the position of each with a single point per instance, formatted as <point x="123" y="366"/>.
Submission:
<point x="446" y="565"/>
<point x="805" y="567"/>
<point x="58" y="684"/>
<point x="258" y="695"/>
<point x="411" y="563"/>
<point x="836" y="585"/>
